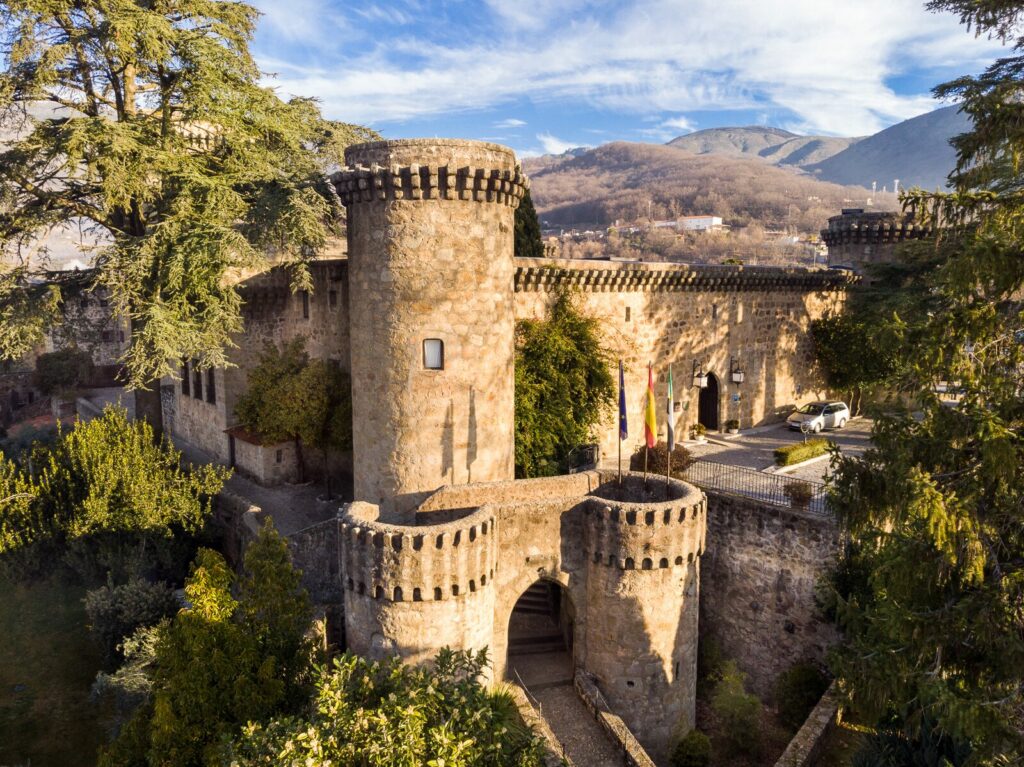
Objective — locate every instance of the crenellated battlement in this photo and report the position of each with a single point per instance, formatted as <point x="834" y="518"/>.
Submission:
<point x="632" y="528"/>
<point x="400" y="563"/>
<point x="608" y="276"/>
<point x="423" y="182"/>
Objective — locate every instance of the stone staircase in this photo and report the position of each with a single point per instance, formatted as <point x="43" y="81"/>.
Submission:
<point x="534" y="624"/>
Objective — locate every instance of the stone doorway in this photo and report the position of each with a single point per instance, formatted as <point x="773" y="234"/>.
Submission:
<point x="707" y="404"/>
<point x="540" y="636"/>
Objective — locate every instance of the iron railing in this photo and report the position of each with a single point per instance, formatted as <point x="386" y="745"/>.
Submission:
<point x="774" y="489"/>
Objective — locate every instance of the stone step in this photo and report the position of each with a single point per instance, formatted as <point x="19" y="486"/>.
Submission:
<point x="529" y="645"/>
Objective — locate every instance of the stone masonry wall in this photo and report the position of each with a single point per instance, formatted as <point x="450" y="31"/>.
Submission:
<point x="272" y="314"/>
<point x="758" y="580"/>
<point x="430" y="227"/>
<point x="673" y="314"/>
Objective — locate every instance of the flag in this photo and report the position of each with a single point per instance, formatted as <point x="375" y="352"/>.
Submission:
<point x="623" y="428"/>
<point x="670" y="437"/>
<point x="650" y="420"/>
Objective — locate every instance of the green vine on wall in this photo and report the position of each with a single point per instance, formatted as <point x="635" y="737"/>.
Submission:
<point x="564" y="387"/>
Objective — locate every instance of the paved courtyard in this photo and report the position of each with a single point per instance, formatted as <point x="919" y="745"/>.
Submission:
<point x="754" y="449"/>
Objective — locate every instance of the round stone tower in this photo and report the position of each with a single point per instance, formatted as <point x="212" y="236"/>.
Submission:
<point x="430" y="243"/>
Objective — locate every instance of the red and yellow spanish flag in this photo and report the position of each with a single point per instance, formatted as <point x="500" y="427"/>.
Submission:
<point x="650" y="420"/>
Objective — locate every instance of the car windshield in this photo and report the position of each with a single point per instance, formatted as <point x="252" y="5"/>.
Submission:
<point x="814" y="408"/>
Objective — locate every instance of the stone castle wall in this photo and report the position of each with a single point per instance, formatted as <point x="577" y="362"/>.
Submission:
<point x="430" y="227"/>
<point x="760" y="572"/>
<point x="629" y="568"/>
<point x="757" y="318"/>
<point x="272" y="313"/>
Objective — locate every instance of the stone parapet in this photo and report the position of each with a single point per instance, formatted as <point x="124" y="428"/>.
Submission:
<point x="395" y="563"/>
<point x="403" y="170"/>
<point x="546" y="275"/>
<point x="883" y="227"/>
<point x="632" y="751"/>
<point x="646" y="530"/>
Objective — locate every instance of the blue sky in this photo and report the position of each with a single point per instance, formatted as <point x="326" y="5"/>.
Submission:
<point x="547" y="75"/>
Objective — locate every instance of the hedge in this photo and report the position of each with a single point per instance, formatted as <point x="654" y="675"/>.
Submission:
<point x="801" y="451"/>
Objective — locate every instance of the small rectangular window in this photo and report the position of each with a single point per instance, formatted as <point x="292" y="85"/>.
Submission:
<point x="211" y="387"/>
<point x="280" y="456"/>
<point x="305" y="304"/>
<point x="332" y="299"/>
<point x="185" y="383"/>
<point x="433" y="354"/>
<point x="627" y="314"/>
<point x="714" y="311"/>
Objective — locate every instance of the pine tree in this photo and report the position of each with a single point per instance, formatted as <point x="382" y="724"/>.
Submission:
<point x="166" y="146"/>
<point x="935" y="510"/>
<point x="528" y="243"/>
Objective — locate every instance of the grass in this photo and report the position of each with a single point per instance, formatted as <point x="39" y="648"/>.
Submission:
<point x="47" y="664"/>
<point x="801" y="451"/>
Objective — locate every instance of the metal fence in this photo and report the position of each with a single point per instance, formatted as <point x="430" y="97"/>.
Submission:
<point x="775" y="489"/>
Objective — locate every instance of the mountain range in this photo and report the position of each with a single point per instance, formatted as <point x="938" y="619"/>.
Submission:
<point x="764" y="175"/>
<point x="915" y="151"/>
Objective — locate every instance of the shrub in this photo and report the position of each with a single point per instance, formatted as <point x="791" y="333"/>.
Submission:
<point x="799" y="494"/>
<point x="657" y="460"/>
<point x="116" y="612"/>
<point x="710" y="662"/>
<point x="732" y="423"/>
<point x="698" y="430"/>
<point x="62" y="370"/>
<point x="801" y="451"/>
<point x="692" y="751"/>
<point x="797" y="691"/>
<point x="738" y="711"/>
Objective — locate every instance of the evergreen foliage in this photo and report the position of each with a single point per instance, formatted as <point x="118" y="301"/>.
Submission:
<point x="115" y="613"/>
<point x="797" y="691"/>
<point x="802" y="451"/>
<point x="170" y="150"/>
<point x="528" y="243"/>
<point x="389" y="714"/>
<point x="293" y="397"/>
<point x="106" y="496"/>
<point x="564" y="387"/>
<point x="739" y="711"/>
<point x="932" y="604"/>
<point x="692" y="751"/>
<point x="62" y="370"/>
<point x="224" y="662"/>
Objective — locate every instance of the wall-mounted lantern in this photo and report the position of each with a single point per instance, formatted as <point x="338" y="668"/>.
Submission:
<point x="735" y="372"/>
<point x="700" y="378"/>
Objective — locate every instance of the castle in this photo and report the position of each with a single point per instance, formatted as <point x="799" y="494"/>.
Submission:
<point x="441" y="542"/>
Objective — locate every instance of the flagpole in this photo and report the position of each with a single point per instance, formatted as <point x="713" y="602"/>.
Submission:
<point x="670" y="433"/>
<point x="620" y="463"/>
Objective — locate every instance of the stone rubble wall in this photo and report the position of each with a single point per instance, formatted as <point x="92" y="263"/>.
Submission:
<point x="807" y="744"/>
<point x="755" y="318"/>
<point x="587" y="689"/>
<point x="760" y="571"/>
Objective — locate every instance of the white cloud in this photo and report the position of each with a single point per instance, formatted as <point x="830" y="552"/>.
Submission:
<point x="510" y="123"/>
<point x="824" y="61"/>
<point x="553" y="144"/>
<point x="679" y="123"/>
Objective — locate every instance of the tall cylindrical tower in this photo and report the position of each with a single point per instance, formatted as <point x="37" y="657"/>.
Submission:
<point x="430" y="242"/>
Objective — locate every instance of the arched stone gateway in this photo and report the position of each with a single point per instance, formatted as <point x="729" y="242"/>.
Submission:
<point x="618" y="566"/>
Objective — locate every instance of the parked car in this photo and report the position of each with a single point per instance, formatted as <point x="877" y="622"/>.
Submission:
<point x="816" y="416"/>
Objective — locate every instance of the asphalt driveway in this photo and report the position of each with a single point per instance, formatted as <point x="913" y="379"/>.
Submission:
<point x="754" y="448"/>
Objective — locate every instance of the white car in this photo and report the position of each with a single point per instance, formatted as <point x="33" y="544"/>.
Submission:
<point x="816" y="416"/>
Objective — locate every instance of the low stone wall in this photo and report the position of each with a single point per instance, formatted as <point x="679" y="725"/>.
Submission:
<point x="805" y="748"/>
<point x="552" y="756"/>
<point x="758" y="579"/>
<point x="239" y="522"/>
<point x="611" y="722"/>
